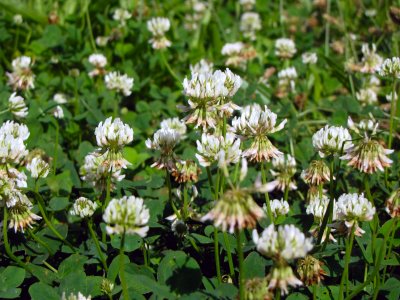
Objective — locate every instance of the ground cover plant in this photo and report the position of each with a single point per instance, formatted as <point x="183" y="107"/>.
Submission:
<point x="199" y="149"/>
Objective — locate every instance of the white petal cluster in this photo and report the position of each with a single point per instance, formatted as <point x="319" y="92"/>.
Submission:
<point x="353" y="208"/>
<point x="285" y="48"/>
<point x="120" y="83"/>
<point x="390" y="67"/>
<point x="12" y="142"/>
<point x="250" y="22"/>
<point x="98" y="60"/>
<point x="202" y="67"/>
<point x="367" y="96"/>
<point x="17" y="19"/>
<point x="247" y="4"/>
<point x="60" y="98"/>
<point x="389" y="97"/>
<point x="158" y="27"/>
<point x="365" y="127"/>
<point x="330" y="140"/>
<point x="17" y="106"/>
<point x="196" y="13"/>
<point x="284" y="168"/>
<point x="287" y="78"/>
<point x="175" y="124"/>
<point x="279" y="207"/>
<point x="318" y="206"/>
<point x="58" y="112"/>
<point x="21" y="77"/>
<point x="121" y="15"/>
<point x="83" y="207"/>
<point x="309" y="58"/>
<point x="72" y="296"/>
<point x="230" y="49"/>
<point x="164" y="140"/>
<point x="371" y="61"/>
<point x="288" y="242"/>
<point x="38" y="168"/>
<point x="113" y="134"/>
<point x="214" y="148"/>
<point x="127" y="215"/>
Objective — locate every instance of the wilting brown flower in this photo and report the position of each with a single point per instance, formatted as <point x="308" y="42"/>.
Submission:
<point x="186" y="170"/>
<point x="317" y="173"/>
<point x="310" y="270"/>
<point x="393" y="204"/>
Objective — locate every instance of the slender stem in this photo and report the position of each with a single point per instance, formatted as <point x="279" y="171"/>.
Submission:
<point x="4" y="111"/>
<point x="267" y="201"/>
<point x="327" y="28"/>
<point x="392" y="114"/>
<point x="349" y="247"/>
<point x="41" y="242"/>
<point x="216" y="255"/>
<point x="145" y="254"/>
<point x="241" y="269"/>
<point x="185" y="201"/>
<point x="89" y="23"/>
<point x="390" y="245"/>
<point x="50" y="266"/>
<point x="329" y="209"/>
<point x="116" y="104"/>
<point x="168" y="180"/>
<point x="375" y="221"/>
<point x="170" y="70"/>
<point x="228" y="251"/>
<point x="209" y="176"/>
<point x="286" y="195"/>
<point x="125" y="294"/>
<point x="108" y="191"/>
<point x="55" y="156"/>
<point x="96" y="242"/>
<point x="314" y="291"/>
<point x="7" y="244"/>
<point x="48" y="222"/>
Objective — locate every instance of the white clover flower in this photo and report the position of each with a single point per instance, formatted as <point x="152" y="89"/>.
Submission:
<point x="257" y="123"/>
<point x="318" y="206"/>
<point x="330" y="140"/>
<point x="175" y="124"/>
<point x="83" y="207"/>
<point x="17" y="106"/>
<point x="202" y="67"/>
<point x="370" y="12"/>
<point x="230" y="49"/>
<point x="354" y="208"/>
<point x="367" y="96"/>
<point x="390" y="67"/>
<point x="285" y="48"/>
<point x="21" y="215"/>
<point x="284" y="168"/>
<point x="96" y="169"/>
<point x="127" y="215"/>
<point x="389" y="96"/>
<point x="278" y="207"/>
<point x="22" y="77"/>
<point x="38" y="168"/>
<point x="309" y="58"/>
<point x="12" y="142"/>
<point x="368" y="156"/>
<point x="60" y="98"/>
<point x="371" y="61"/>
<point x="120" y="83"/>
<point x="58" y="112"/>
<point x="208" y="93"/>
<point x="113" y="134"/>
<point x="247" y="4"/>
<point x="287" y="78"/>
<point x="78" y="296"/>
<point x="15" y="176"/>
<point x="17" y="19"/>
<point x="102" y="41"/>
<point x="250" y="22"/>
<point x="164" y="140"/>
<point x="121" y="15"/>
<point x="197" y="10"/>
<point x="366" y="127"/>
<point x="214" y="148"/>
<point x="288" y="242"/>
<point x="99" y="61"/>
<point x="158" y="27"/>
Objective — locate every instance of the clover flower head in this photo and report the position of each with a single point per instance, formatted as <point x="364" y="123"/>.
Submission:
<point x="317" y="173"/>
<point x="73" y="296"/>
<point x="17" y="106"/>
<point x="278" y="207"/>
<point x="12" y="142"/>
<point x="250" y="22"/>
<point x="247" y="4"/>
<point x="330" y="140"/>
<point x="174" y="124"/>
<point x="392" y="205"/>
<point x="127" y="215"/>
<point x="21" y="77"/>
<point x="158" y="27"/>
<point x="21" y="216"/>
<point x="371" y="61"/>
<point x="113" y="134"/>
<point x="120" y="83"/>
<point x="285" y="48"/>
<point x="121" y="15"/>
<point x="202" y="67"/>
<point x="164" y="140"/>
<point x="83" y="207"/>
<point x="367" y="96"/>
<point x="38" y="168"/>
<point x="390" y="67"/>
<point x="309" y="58"/>
<point x="60" y="98"/>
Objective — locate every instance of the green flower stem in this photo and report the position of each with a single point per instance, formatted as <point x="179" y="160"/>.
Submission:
<point x="125" y="294"/>
<point x="50" y="266"/>
<point x="349" y="247"/>
<point x="278" y="294"/>
<point x="145" y="254"/>
<point x="228" y="251"/>
<point x="314" y="292"/>
<point x="327" y="28"/>
<point x="378" y="262"/>
<point x="267" y="201"/>
<point x="96" y="242"/>
<point x="375" y="221"/>
<point x="7" y="244"/>
<point x="116" y="105"/>
<point x="210" y="182"/>
<point x="392" y="114"/>
<point x="329" y="210"/>
<point x="168" y="180"/>
<point x="216" y="255"/>
<point x="286" y="195"/>
<point x="108" y="191"/>
<point x="185" y="202"/>
<point x="40" y="241"/>
<point x="170" y="70"/>
<point x="41" y="206"/>
<point x="89" y="24"/>
<point x="55" y="155"/>
<point x="241" y="269"/>
<point x="4" y="111"/>
<point x="394" y="227"/>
